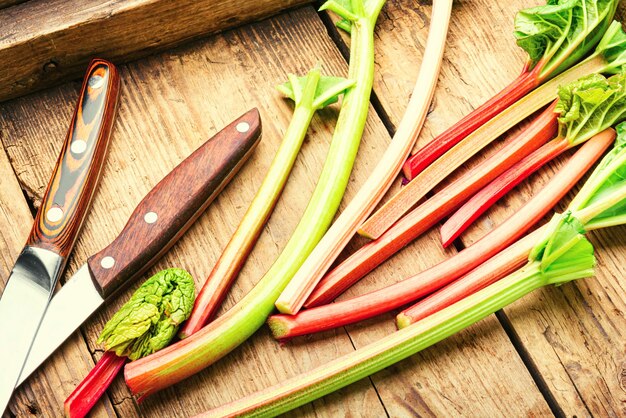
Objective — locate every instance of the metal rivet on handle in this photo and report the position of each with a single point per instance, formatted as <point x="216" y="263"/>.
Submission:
<point x="107" y="262"/>
<point x="78" y="146"/>
<point x="243" y="127"/>
<point x="95" y="81"/>
<point x="150" y="217"/>
<point x="54" y="214"/>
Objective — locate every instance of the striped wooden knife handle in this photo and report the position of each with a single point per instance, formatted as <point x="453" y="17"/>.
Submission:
<point x="78" y="167"/>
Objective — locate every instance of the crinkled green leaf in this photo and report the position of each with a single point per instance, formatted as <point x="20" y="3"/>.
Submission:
<point x="564" y="253"/>
<point x="590" y="105"/>
<point x="561" y="32"/>
<point x="327" y="91"/>
<point x="150" y="319"/>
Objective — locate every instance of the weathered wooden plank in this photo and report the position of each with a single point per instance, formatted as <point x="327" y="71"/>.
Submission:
<point x="8" y="3"/>
<point x="170" y="104"/>
<point x="574" y="334"/>
<point x="45" y="391"/>
<point x="50" y="41"/>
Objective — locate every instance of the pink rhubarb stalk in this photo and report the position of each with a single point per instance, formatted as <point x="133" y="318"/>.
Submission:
<point x="383" y="300"/>
<point x="87" y="393"/>
<point x="488" y="196"/>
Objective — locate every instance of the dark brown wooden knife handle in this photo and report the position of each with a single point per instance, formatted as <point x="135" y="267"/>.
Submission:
<point x="78" y="167"/>
<point x="168" y="210"/>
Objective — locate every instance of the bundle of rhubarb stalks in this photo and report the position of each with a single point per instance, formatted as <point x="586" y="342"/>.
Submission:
<point x="573" y="89"/>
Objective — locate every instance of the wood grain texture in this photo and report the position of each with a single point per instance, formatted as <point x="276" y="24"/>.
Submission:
<point x="8" y="3"/>
<point x="48" y="41"/>
<point x="173" y="100"/>
<point x="45" y="391"/>
<point x="67" y="198"/>
<point x="171" y="207"/>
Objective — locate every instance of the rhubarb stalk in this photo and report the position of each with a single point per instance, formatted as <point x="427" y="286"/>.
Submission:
<point x="602" y="102"/>
<point x="310" y="94"/>
<point x="145" y="324"/>
<point x="609" y="57"/>
<point x="381" y="178"/>
<point x="555" y="36"/>
<point x="599" y="204"/>
<point x="221" y="336"/>
<point x="563" y="256"/>
<point x="408" y="290"/>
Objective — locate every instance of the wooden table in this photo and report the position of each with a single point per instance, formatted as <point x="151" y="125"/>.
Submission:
<point x="559" y="351"/>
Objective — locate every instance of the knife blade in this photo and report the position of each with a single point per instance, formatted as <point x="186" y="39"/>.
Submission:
<point x="58" y="221"/>
<point x="157" y="222"/>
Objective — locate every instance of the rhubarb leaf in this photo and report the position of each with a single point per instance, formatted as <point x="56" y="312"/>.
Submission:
<point x="564" y="254"/>
<point x="606" y="188"/>
<point x="150" y="319"/>
<point x="561" y="32"/>
<point x="590" y="105"/>
<point x="612" y="47"/>
<point x="351" y="10"/>
<point x="327" y="91"/>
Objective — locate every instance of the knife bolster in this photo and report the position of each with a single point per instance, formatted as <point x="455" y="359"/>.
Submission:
<point x="39" y="266"/>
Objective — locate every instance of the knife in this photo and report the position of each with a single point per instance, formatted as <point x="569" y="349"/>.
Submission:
<point x="57" y="222"/>
<point x="159" y="220"/>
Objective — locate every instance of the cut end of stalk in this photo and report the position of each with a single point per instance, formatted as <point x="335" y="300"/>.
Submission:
<point x="402" y="320"/>
<point x="364" y="233"/>
<point x="285" y="307"/>
<point x="449" y="234"/>
<point x="279" y="326"/>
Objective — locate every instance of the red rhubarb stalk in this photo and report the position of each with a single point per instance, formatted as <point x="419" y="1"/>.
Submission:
<point x="87" y="393"/>
<point x="585" y="107"/>
<point x="427" y="154"/>
<point x="598" y="204"/>
<point x="492" y="270"/>
<point x="409" y="195"/>
<point x="540" y="130"/>
<point x="485" y="198"/>
<point x="383" y="300"/>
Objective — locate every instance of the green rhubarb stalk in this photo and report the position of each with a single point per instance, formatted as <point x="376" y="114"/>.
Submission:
<point x="214" y="341"/>
<point x="310" y="94"/>
<point x="563" y="256"/>
<point x="144" y="325"/>
<point x="380" y="177"/>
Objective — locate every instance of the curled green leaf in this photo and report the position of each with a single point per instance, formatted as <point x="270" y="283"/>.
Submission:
<point x="564" y="254"/>
<point x="326" y="89"/>
<point x="150" y="319"/>
<point x="353" y="10"/>
<point x="590" y="105"/>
